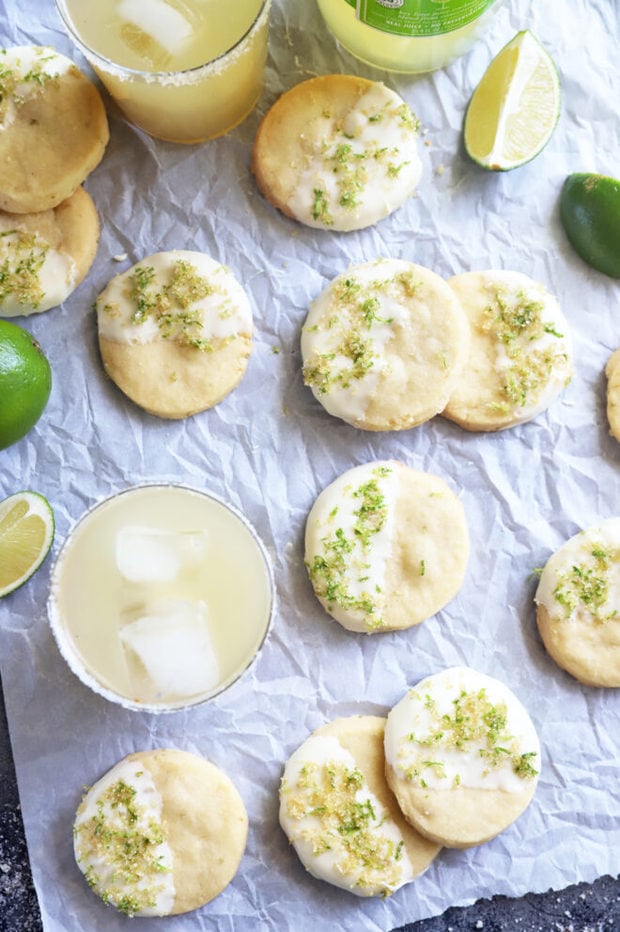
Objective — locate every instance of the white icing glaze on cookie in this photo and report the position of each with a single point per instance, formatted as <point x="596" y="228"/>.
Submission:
<point x="36" y="276"/>
<point x="143" y="304"/>
<point x="462" y="728"/>
<point x="356" y="173"/>
<point x="340" y="830"/>
<point x="581" y="581"/>
<point x="531" y="343"/>
<point x="24" y="71"/>
<point x="349" y="540"/>
<point x="122" y="809"/>
<point x="387" y="322"/>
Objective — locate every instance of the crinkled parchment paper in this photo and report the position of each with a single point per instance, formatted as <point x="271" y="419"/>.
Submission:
<point x="269" y="448"/>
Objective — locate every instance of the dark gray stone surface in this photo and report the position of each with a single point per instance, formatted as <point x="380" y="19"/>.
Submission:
<point x="580" y="908"/>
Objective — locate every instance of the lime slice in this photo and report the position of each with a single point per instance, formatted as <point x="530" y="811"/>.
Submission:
<point x="26" y="535"/>
<point x="590" y="214"/>
<point x="514" y="110"/>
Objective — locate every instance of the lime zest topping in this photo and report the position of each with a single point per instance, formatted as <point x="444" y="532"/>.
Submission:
<point x="171" y="306"/>
<point x="120" y="835"/>
<point x="475" y="725"/>
<point x="359" y="310"/>
<point x="349" y="166"/>
<point x="24" y="257"/>
<point x="342" y="555"/>
<point x="349" y="825"/>
<point x="516" y="322"/>
<point x="586" y="585"/>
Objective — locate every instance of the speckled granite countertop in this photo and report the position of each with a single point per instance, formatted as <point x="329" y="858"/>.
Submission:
<point x="580" y="908"/>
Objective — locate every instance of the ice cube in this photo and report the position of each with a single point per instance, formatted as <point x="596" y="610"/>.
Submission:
<point x="148" y="555"/>
<point x="159" y="21"/>
<point x="173" y="643"/>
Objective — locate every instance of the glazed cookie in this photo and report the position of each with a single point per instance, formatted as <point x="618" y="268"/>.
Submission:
<point x="53" y="128"/>
<point x="162" y="833"/>
<point x="45" y="256"/>
<point x="337" y="152"/>
<point x="578" y="605"/>
<point x="462" y="757"/>
<point x="175" y="332"/>
<point x="384" y="344"/>
<point x="386" y="547"/>
<point x="612" y="371"/>
<point x="520" y="352"/>
<point x="340" y="816"/>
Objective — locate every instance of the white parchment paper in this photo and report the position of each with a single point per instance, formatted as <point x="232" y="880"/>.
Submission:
<point x="269" y="448"/>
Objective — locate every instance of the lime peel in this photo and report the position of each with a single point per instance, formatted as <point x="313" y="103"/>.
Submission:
<point x="515" y="108"/>
<point x="590" y="215"/>
<point x="26" y="534"/>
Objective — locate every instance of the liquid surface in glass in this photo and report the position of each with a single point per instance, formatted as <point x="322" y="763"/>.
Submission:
<point x="163" y="594"/>
<point x="161" y="35"/>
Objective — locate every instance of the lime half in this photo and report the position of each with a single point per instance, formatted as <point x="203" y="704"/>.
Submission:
<point x="515" y="108"/>
<point x="26" y="535"/>
<point x="590" y="214"/>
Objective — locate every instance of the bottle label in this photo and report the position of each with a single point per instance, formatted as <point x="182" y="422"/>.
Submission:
<point x="418" y="17"/>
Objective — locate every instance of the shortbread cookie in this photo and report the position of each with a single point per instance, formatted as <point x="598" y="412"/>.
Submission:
<point x="53" y="128"/>
<point x="384" y="344"/>
<point x="520" y="352"/>
<point x="612" y="371"/>
<point x="339" y="814"/>
<point x="163" y="832"/>
<point x="462" y="757"/>
<point x="386" y="547"/>
<point x="45" y="256"/>
<point x="578" y="605"/>
<point x="175" y="332"/>
<point x="337" y="152"/>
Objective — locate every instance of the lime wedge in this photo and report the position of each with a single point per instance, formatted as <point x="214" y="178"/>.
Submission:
<point x="515" y="108"/>
<point x="26" y="535"/>
<point x="590" y="215"/>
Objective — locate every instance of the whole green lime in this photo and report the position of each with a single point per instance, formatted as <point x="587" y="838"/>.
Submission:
<point x="25" y="383"/>
<point x="590" y="214"/>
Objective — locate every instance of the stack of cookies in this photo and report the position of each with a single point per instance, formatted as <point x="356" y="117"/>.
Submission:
<point x="53" y="133"/>
<point x="368" y="802"/>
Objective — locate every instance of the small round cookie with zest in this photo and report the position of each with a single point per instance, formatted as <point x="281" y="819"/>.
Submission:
<point x="161" y="833"/>
<point x="578" y="605"/>
<point x="338" y="152"/>
<point x="175" y="332"/>
<point x="338" y="812"/>
<point x="462" y="757"/>
<point x="386" y="547"/>
<point x="384" y="344"/>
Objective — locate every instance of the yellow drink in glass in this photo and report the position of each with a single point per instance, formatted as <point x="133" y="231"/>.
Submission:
<point x="182" y="70"/>
<point x="409" y="36"/>
<point x="161" y="597"/>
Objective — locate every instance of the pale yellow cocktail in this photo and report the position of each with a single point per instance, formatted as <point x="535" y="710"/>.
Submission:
<point x="182" y="70"/>
<point x="161" y="597"/>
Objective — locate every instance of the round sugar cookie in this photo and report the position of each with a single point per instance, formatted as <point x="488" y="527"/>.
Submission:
<point x="339" y="814"/>
<point x="462" y="757"/>
<point x="44" y="256"/>
<point x="175" y="332"/>
<point x="337" y="152"/>
<point x="53" y="128"/>
<point x="520" y="355"/>
<point x="386" y="547"/>
<point x="384" y="344"/>
<point x="578" y="605"/>
<point x="612" y="371"/>
<point x="162" y="833"/>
